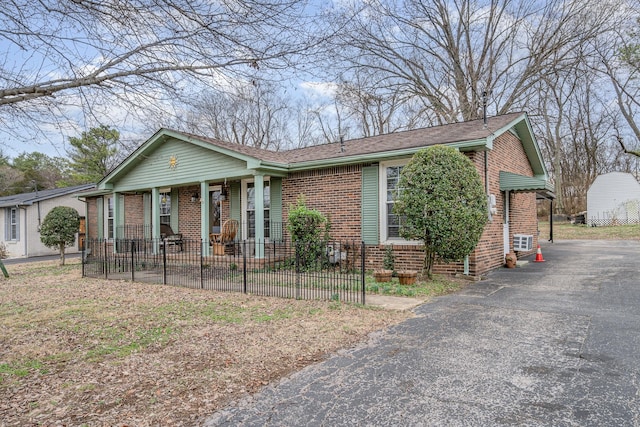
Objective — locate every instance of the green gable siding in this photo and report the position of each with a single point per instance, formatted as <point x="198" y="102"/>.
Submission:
<point x="370" y="205"/>
<point x="193" y="164"/>
<point x="276" y="209"/>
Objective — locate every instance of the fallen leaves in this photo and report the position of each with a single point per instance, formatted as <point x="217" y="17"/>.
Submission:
<point x="118" y="353"/>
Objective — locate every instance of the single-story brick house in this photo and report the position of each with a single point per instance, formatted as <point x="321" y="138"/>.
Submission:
<point x="24" y="213"/>
<point x="195" y="183"/>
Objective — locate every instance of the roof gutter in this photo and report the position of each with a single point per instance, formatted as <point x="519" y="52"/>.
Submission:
<point x="474" y="145"/>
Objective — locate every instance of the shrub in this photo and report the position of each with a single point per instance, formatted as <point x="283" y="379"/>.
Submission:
<point x="442" y="203"/>
<point x="309" y="230"/>
<point x="59" y="229"/>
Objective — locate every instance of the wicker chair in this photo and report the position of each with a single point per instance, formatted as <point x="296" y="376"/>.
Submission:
<point x="226" y="237"/>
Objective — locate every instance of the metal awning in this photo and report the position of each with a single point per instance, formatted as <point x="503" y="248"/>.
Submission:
<point x="510" y="181"/>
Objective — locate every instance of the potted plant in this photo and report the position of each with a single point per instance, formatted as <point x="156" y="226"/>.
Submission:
<point x="382" y="275"/>
<point x="510" y="260"/>
<point x="407" y="277"/>
<point x="389" y="260"/>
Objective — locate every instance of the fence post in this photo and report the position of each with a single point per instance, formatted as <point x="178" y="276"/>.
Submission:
<point x="132" y="260"/>
<point x="106" y="261"/>
<point x="297" y="272"/>
<point x="202" y="249"/>
<point x="363" y="252"/>
<point x="164" y="262"/>
<point x="244" y="265"/>
<point x="82" y="255"/>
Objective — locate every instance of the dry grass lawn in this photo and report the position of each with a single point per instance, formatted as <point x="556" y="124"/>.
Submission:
<point x="567" y="231"/>
<point x="93" y="352"/>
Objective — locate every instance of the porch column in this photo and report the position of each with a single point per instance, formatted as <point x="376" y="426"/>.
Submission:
<point x="155" y="213"/>
<point x="259" y="213"/>
<point x="205" y="205"/>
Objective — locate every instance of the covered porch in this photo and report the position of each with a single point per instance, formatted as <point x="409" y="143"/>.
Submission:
<point x="176" y="188"/>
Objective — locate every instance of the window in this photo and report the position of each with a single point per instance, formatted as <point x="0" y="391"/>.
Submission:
<point x="110" y="217"/>
<point x="393" y="190"/>
<point x="389" y="183"/>
<point x="165" y="207"/>
<point x="13" y="224"/>
<point x="251" y="209"/>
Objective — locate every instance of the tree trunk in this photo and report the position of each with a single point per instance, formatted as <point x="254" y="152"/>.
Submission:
<point x="62" y="254"/>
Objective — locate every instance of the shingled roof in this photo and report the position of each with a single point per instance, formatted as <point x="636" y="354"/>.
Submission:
<point x="27" y="199"/>
<point x="445" y="134"/>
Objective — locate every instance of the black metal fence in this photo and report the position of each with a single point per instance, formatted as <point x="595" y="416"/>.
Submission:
<point x="321" y="270"/>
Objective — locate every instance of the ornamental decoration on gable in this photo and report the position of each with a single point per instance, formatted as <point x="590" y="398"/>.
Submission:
<point x="173" y="162"/>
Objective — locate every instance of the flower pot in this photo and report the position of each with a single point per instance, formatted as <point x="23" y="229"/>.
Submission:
<point x="510" y="260"/>
<point x="382" y="275"/>
<point x="407" y="277"/>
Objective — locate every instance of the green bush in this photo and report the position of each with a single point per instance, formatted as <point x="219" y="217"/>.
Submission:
<point x="59" y="229"/>
<point x="442" y="203"/>
<point x="309" y="230"/>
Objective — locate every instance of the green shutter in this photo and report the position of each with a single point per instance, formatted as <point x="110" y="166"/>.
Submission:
<point x="275" y="214"/>
<point x="146" y="209"/>
<point x="100" y="206"/>
<point x="234" y="200"/>
<point x="370" y="205"/>
<point x="175" y="220"/>
<point x="120" y="221"/>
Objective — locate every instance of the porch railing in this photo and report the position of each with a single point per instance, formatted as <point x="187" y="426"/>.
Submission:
<point x="273" y="230"/>
<point x="333" y="270"/>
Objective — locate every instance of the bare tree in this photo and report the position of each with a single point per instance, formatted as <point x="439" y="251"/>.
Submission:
<point x="64" y="56"/>
<point x="251" y="114"/>
<point x="448" y="53"/>
<point x="620" y="63"/>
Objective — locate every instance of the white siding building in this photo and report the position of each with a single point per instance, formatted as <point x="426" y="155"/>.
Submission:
<point x="22" y="214"/>
<point x="613" y="198"/>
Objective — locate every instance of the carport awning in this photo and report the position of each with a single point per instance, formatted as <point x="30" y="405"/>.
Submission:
<point x="510" y="181"/>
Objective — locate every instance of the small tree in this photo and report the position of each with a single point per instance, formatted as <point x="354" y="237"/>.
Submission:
<point x="309" y="230"/>
<point x="59" y="229"/>
<point x="441" y="203"/>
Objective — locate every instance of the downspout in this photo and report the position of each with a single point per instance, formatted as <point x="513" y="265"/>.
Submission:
<point x="486" y="185"/>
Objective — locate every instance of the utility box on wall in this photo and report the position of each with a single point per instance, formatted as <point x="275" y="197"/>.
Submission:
<point x="522" y="242"/>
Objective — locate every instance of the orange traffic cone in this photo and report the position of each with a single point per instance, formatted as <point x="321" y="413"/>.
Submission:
<point x="539" y="255"/>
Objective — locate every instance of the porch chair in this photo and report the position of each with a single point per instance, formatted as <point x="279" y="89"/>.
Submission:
<point x="226" y="237"/>
<point x="173" y="239"/>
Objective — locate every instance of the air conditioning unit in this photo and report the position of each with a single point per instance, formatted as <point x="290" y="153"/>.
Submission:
<point x="522" y="242"/>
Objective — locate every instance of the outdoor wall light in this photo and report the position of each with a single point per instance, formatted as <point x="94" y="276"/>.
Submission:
<point x="195" y="197"/>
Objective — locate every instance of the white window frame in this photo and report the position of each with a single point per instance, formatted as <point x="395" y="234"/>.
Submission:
<point x="213" y="189"/>
<point x="109" y="212"/>
<point x="243" y="204"/>
<point x="13" y="229"/>
<point x="382" y="198"/>
<point x="164" y="192"/>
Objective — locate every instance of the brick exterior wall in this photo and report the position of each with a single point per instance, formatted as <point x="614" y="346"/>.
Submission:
<point x="92" y="217"/>
<point x="134" y="209"/>
<point x="336" y="192"/>
<point x="189" y="213"/>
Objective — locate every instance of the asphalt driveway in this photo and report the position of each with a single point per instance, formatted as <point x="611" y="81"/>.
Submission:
<point x="554" y="343"/>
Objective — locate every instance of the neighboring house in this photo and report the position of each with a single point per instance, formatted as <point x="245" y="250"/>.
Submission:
<point x="23" y="214"/>
<point x="195" y="183"/>
<point x="613" y="198"/>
